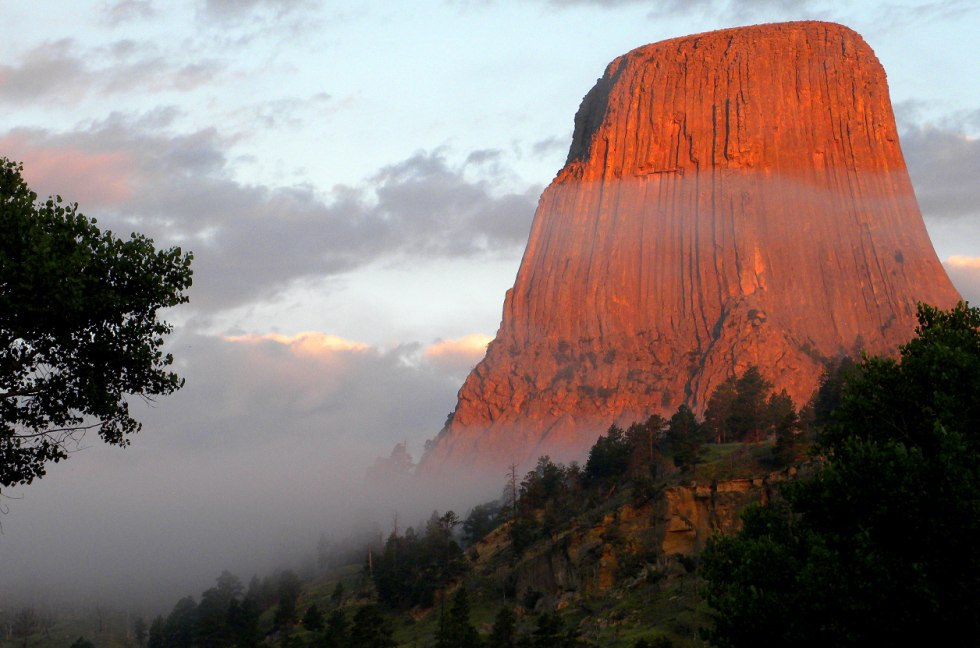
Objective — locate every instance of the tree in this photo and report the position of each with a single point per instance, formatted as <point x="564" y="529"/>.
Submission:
<point x="747" y="420"/>
<point x="290" y="587"/>
<point x="180" y="628"/>
<point x="337" y="596"/>
<point x="785" y="423"/>
<point x="79" y="333"/>
<point x="684" y="438"/>
<point x="213" y="627"/>
<point x="82" y="642"/>
<point x="371" y="630"/>
<point x="719" y="409"/>
<point x="243" y="621"/>
<point x="483" y="519"/>
<point x="313" y="619"/>
<point x="879" y="546"/>
<point x="644" y="440"/>
<point x="157" y="634"/>
<point x="550" y="633"/>
<point x="504" y="631"/>
<point x="337" y="634"/>
<point x="455" y="629"/>
<point x="609" y="457"/>
<point x="139" y="631"/>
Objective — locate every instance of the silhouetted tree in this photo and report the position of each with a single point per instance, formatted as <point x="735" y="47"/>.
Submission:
<point x="79" y="332"/>
<point x="82" y="642"/>
<point x="289" y="589"/>
<point x="313" y="619"/>
<point x="371" y="629"/>
<point x="747" y="421"/>
<point x="645" y="441"/>
<point x="157" y="635"/>
<point x="550" y="632"/>
<point x="180" y="628"/>
<point x="455" y="629"/>
<point x="483" y="519"/>
<point x="411" y="568"/>
<point x="826" y="400"/>
<point x="879" y="546"/>
<point x="719" y="410"/>
<point x="337" y="632"/>
<point x="785" y="424"/>
<point x="139" y="631"/>
<point x="337" y="596"/>
<point x="504" y="631"/>
<point x="684" y="438"/>
<point x="243" y="621"/>
<point x="213" y="629"/>
<point x="609" y="457"/>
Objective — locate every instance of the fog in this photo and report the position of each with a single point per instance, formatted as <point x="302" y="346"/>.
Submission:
<point x="263" y="450"/>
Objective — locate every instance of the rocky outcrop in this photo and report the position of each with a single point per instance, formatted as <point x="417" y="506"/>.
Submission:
<point x="646" y="541"/>
<point x="730" y="199"/>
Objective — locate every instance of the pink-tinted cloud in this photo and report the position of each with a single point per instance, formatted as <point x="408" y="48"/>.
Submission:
<point x="307" y="343"/>
<point x="91" y="178"/>
<point x="460" y="354"/>
<point x="964" y="271"/>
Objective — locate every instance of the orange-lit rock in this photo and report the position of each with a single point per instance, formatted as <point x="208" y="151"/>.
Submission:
<point x="732" y="198"/>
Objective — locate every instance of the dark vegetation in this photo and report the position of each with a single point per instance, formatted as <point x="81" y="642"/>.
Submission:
<point x="79" y="332"/>
<point x="879" y="547"/>
<point x="875" y="546"/>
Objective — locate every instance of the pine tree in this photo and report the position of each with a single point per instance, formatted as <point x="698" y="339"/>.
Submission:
<point x="455" y="629"/>
<point x="504" y="632"/>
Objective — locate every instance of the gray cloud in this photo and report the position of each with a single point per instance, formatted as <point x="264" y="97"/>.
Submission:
<point x="63" y="68"/>
<point x="239" y="23"/>
<point x="944" y="163"/>
<point x="238" y="8"/>
<point x="251" y="241"/>
<point x="127" y="11"/>
<point x="51" y="67"/>
<point x="551" y="145"/>
<point x="893" y="16"/>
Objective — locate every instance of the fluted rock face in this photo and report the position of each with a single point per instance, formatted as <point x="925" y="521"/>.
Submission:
<point x="730" y="199"/>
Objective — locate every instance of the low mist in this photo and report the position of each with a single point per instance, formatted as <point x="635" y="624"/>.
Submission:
<point x="264" y="451"/>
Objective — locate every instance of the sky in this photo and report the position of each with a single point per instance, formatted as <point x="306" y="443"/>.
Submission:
<point x="356" y="182"/>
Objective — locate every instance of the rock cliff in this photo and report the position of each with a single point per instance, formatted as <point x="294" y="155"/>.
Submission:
<point x="647" y="541"/>
<point x="732" y="198"/>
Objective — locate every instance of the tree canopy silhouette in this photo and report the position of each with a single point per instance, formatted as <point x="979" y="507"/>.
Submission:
<point x="879" y="547"/>
<point x="79" y="329"/>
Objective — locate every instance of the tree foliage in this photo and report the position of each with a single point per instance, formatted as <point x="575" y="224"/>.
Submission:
<point x="482" y="519"/>
<point x="684" y="438"/>
<point x="370" y="629"/>
<point x="879" y="547"/>
<point x="455" y="629"/>
<point x="609" y="456"/>
<point x="412" y="567"/>
<point x="745" y="409"/>
<point x="79" y="332"/>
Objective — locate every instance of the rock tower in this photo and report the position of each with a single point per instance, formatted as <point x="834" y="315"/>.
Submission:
<point x="732" y="198"/>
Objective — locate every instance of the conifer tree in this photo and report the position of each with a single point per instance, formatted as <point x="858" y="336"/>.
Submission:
<point x="455" y="629"/>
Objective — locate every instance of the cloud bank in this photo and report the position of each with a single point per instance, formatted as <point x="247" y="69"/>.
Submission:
<point x="252" y="241"/>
